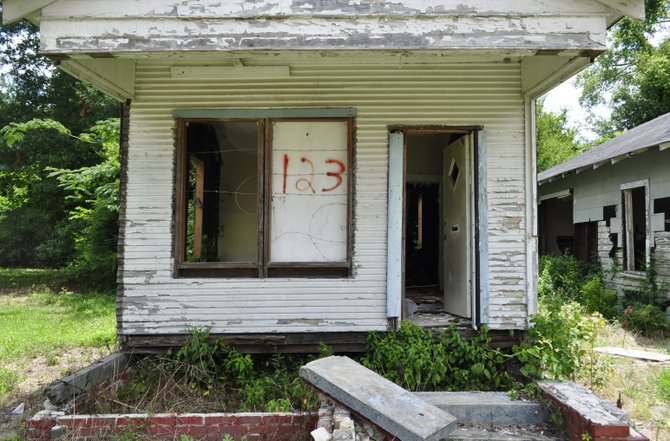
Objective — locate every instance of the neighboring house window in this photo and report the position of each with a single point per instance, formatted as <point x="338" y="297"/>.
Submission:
<point x="264" y="197"/>
<point x="636" y="229"/>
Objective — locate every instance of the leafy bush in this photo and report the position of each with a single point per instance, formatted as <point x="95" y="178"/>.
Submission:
<point x="596" y="298"/>
<point x="559" y="344"/>
<point x="417" y="360"/>
<point x="208" y="375"/>
<point x="561" y="276"/>
<point x="568" y="280"/>
<point x="645" y="318"/>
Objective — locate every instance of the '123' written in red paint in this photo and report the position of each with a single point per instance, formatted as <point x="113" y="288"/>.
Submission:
<point x="306" y="182"/>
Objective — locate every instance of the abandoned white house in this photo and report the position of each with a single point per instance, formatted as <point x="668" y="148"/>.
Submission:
<point x="293" y="168"/>
<point x="612" y="204"/>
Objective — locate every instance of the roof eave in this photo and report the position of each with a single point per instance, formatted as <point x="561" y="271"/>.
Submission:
<point x="14" y="10"/>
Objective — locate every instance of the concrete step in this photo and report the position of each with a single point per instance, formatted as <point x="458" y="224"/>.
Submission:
<point x="487" y="408"/>
<point x="394" y="410"/>
<point x="504" y="433"/>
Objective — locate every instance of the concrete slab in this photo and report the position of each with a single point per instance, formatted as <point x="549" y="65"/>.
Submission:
<point x="487" y="408"/>
<point x="506" y="433"/>
<point x="393" y="409"/>
<point x="69" y="387"/>
<point x="634" y="353"/>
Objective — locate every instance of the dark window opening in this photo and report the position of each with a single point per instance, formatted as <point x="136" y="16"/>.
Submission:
<point x="609" y="211"/>
<point x="662" y="205"/>
<point x="635" y="228"/>
<point x="586" y="241"/>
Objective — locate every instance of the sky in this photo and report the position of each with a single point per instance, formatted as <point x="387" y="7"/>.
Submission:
<point x="566" y="95"/>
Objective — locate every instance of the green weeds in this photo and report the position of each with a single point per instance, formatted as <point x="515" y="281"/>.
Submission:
<point x="417" y="360"/>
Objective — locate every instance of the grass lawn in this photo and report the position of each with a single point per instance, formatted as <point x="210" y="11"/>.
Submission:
<point x="644" y="386"/>
<point x="47" y="333"/>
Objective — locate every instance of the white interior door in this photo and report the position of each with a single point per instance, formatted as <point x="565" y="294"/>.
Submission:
<point x="457" y="228"/>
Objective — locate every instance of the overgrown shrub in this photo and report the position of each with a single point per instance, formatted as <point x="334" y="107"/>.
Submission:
<point x="417" y="360"/>
<point x="208" y="375"/>
<point x="596" y="298"/>
<point x="646" y="318"/>
<point x="569" y="280"/>
<point x="560" y="343"/>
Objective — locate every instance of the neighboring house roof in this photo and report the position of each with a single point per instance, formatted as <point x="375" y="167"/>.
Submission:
<point x="635" y="141"/>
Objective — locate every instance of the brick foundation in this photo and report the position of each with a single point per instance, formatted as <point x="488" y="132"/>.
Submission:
<point x="585" y="414"/>
<point x="200" y="426"/>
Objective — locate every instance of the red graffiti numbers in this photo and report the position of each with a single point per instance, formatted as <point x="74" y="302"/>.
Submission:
<point x="285" y="172"/>
<point x="306" y="182"/>
<point x="337" y="175"/>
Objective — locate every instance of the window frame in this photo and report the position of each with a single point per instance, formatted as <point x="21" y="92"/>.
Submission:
<point x="262" y="268"/>
<point x="626" y="217"/>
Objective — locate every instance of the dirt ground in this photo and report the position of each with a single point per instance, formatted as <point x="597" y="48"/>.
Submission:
<point x="37" y="373"/>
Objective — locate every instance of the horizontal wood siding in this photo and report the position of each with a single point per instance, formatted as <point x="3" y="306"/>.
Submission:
<point x="486" y="94"/>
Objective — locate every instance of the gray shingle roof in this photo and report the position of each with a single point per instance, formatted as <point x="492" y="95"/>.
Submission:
<point x="649" y="134"/>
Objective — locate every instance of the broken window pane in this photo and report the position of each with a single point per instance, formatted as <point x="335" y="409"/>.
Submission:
<point x="222" y="193"/>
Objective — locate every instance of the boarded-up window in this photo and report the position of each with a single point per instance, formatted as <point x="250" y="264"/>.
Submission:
<point x="264" y="197"/>
<point x="309" y="191"/>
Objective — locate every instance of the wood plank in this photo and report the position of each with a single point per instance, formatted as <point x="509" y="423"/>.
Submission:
<point x="13" y="10"/>
<point x="199" y="206"/>
<point x="273" y="8"/>
<point x="138" y="35"/>
<point x="634" y="353"/>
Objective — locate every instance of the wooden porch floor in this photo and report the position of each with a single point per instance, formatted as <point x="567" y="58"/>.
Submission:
<point x="427" y="310"/>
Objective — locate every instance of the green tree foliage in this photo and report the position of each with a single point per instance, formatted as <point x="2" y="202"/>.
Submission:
<point x="633" y="76"/>
<point x="94" y="191"/>
<point x="556" y="142"/>
<point x="41" y="107"/>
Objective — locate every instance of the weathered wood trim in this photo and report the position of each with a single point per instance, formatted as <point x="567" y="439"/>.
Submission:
<point x="13" y="10"/>
<point x="280" y="8"/>
<point x="306" y="342"/>
<point x="450" y="32"/>
<point x="541" y="73"/>
<point x="264" y="113"/>
<point x="530" y="140"/>
<point x="115" y="77"/>
<point x="394" y="248"/>
<point x="556" y="194"/>
<point x="631" y="8"/>
<point x="482" y="219"/>
<point x="123" y="204"/>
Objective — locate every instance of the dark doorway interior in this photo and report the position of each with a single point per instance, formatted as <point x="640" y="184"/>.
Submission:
<point x="422" y="238"/>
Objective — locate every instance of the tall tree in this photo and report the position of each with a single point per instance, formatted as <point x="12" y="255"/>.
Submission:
<point x="633" y="76"/>
<point x="35" y="228"/>
<point x="556" y="141"/>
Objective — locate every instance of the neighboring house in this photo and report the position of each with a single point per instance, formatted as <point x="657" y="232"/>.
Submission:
<point x="612" y="204"/>
<point x="288" y="164"/>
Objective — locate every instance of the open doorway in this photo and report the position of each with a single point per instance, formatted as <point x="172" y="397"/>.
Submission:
<point x="438" y="227"/>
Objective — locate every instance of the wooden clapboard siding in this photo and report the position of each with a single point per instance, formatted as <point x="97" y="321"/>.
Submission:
<point x="393" y="94"/>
